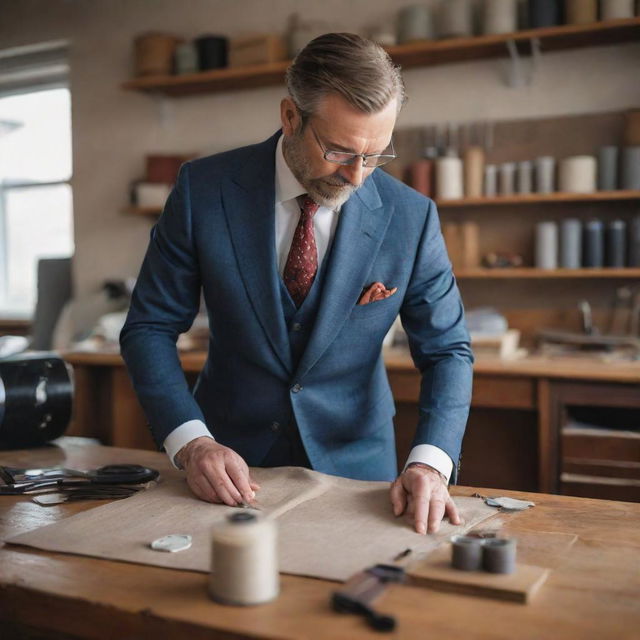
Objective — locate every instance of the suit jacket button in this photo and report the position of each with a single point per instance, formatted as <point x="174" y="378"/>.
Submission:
<point x="275" y="427"/>
<point x="296" y="387"/>
<point x="296" y="326"/>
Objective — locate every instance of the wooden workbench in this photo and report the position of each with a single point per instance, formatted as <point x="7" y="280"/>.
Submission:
<point x="593" y="593"/>
<point x="513" y="436"/>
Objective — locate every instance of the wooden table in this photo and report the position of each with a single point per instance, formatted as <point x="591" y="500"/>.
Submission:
<point x="594" y="593"/>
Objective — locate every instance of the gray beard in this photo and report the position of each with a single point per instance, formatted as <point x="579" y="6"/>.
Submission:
<point x="331" y="192"/>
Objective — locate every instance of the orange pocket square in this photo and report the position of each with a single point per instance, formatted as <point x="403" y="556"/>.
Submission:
<point x="376" y="291"/>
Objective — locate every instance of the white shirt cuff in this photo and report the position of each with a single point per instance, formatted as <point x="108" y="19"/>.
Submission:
<point x="433" y="456"/>
<point x="182" y="435"/>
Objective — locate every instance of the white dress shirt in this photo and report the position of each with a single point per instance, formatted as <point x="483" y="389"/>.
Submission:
<point x="325" y="221"/>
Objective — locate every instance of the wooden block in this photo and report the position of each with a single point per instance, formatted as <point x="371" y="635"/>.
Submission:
<point x="435" y="571"/>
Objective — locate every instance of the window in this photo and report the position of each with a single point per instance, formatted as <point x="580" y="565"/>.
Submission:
<point x="36" y="219"/>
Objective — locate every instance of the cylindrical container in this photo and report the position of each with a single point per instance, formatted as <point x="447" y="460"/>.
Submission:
<point x="544" y="13"/>
<point x="490" y="181"/>
<point x="608" y="168"/>
<point x="616" y="9"/>
<point x="244" y="563"/>
<point x="593" y="245"/>
<point x="453" y="241"/>
<point x="163" y="168"/>
<point x="546" y="249"/>
<point x="577" y="174"/>
<point x="421" y="176"/>
<point x="580" y="11"/>
<point x="631" y="135"/>
<point x="186" y="58"/>
<point x="499" y="555"/>
<point x="212" y="51"/>
<point x="616" y="244"/>
<point x="571" y="244"/>
<point x="154" y="53"/>
<point x="545" y="174"/>
<point x="449" y="178"/>
<point x="507" y="179"/>
<point x="455" y="19"/>
<point x="151" y="195"/>
<point x="525" y="173"/>
<point x="415" y="23"/>
<point x="634" y="243"/>
<point x="470" y="237"/>
<point x="466" y="553"/>
<point x="630" y="168"/>
<point x="473" y="171"/>
<point x="499" y="16"/>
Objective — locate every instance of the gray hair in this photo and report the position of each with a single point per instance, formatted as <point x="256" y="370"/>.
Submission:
<point x="360" y="70"/>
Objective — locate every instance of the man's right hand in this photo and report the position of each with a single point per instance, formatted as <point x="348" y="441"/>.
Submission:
<point x="216" y="473"/>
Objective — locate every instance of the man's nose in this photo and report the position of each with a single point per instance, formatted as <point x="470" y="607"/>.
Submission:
<point x="354" y="172"/>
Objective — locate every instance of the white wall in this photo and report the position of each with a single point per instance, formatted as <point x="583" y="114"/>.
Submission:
<point x="114" y="129"/>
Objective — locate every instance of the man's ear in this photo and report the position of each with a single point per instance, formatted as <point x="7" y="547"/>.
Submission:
<point x="289" y="116"/>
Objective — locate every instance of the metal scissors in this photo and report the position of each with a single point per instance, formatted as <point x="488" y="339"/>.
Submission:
<point x="20" y="481"/>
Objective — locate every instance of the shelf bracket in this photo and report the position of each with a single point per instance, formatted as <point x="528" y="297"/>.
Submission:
<point x="520" y="72"/>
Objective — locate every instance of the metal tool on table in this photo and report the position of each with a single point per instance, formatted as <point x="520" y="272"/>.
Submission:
<point x="362" y="589"/>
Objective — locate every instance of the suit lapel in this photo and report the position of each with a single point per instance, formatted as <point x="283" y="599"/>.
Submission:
<point x="361" y="228"/>
<point x="249" y="205"/>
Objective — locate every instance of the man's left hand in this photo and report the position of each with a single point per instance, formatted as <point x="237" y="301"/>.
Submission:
<point x="421" y="491"/>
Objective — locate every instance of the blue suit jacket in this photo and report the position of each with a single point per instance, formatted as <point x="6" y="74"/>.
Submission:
<point x="216" y="235"/>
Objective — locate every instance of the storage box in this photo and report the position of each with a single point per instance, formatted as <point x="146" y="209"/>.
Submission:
<point x="256" y="49"/>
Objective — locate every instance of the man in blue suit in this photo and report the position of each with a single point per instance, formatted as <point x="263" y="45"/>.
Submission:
<point x="305" y="253"/>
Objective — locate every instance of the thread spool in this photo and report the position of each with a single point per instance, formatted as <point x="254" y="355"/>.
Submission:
<point x="593" y="245"/>
<point x="545" y="174"/>
<point x="616" y="244"/>
<point x="420" y="175"/>
<point x="212" y="51"/>
<point x="546" y="251"/>
<point x="466" y="553"/>
<point x="415" y="23"/>
<point x="630" y="178"/>
<point x="449" y="178"/>
<point x="571" y="244"/>
<point x="507" y="178"/>
<point x="470" y="234"/>
<point x="154" y="53"/>
<point x="455" y="19"/>
<point x="186" y="58"/>
<point x="499" y="16"/>
<point x="499" y="555"/>
<point x="473" y="171"/>
<point x="608" y="168"/>
<point x="490" y="180"/>
<point x="525" y="170"/>
<point x="580" y="11"/>
<point x="244" y="565"/>
<point x="634" y="242"/>
<point x="544" y="13"/>
<point x="578" y="174"/>
<point x="616" y="9"/>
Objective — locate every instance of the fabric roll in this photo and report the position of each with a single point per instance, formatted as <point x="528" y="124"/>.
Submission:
<point x="449" y="183"/>
<point x="545" y="174"/>
<point x="525" y="173"/>
<point x="577" y="174"/>
<point x="544" y="13"/>
<point x="499" y="16"/>
<point x="507" y="175"/>
<point x="571" y="244"/>
<point x="154" y="53"/>
<point x="473" y="171"/>
<point x="415" y="23"/>
<point x="490" y="181"/>
<point x="608" y="168"/>
<point x="499" y="555"/>
<point x="616" y="244"/>
<point x="212" y="51"/>
<point x="593" y="245"/>
<point x="580" y="11"/>
<point x="634" y="243"/>
<point x="546" y="251"/>
<point x="616" y="9"/>
<point x="631" y="168"/>
<point x="455" y="19"/>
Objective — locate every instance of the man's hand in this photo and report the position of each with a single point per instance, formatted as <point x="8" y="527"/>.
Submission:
<point x="421" y="491"/>
<point x="216" y="473"/>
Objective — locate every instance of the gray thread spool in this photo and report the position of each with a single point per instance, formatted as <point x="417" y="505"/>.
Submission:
<point x="634" y="242"/>
<point x="455" y="19"/>
<point x="546" y="245"/>
<point x="415" y="23"/>
<point x="466" y="553"/>
<point x="186" y="58"/>
<point x="608" y="168"/>
<point x="616" y="239"/>
<point x="244" y="565"/>
<point x="499" y="555"/>
<point x="571" y="244"/>
<point x="490" y="180"/>
<point x="545" y="174"/>
<point x="616" y="9"/>
<point x="499" y="16"/>
<point x="507" y="178"/>
<point x="524" y="177"/>
<point x="593" y="245"/>
<point x="631" y="168"/>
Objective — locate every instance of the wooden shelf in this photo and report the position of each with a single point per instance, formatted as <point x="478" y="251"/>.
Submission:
<point x="541" y="198"/>
<point x="417" y="54"/>
<point x="530" y="272"/>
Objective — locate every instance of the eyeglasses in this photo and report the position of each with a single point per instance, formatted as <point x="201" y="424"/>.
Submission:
<point x="346" y="158"/>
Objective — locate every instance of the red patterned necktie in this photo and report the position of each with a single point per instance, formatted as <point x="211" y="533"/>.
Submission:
<point x="302" y="262"/>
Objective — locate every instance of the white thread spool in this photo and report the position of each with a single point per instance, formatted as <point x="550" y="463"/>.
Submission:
<point x="545" y="174"/>
<point x="546" y="249"/>
<point x="578" y="174"/>
<point x="616" y="9"/>
<point x="449" y="183"/>
<point x="244" y="564"/>
<point x="507" y="178"/>
<point x="499" y="16"/>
